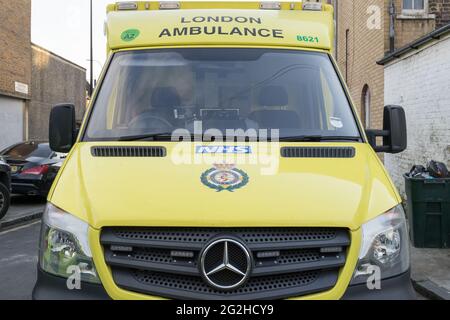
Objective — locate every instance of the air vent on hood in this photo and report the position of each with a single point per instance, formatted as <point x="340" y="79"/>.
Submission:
<point x="118" y="151"/>
<point x="318" y="152"/>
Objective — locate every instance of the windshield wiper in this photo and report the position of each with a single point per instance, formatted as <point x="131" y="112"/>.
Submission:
<point x="168" y="136"/>
<point x="193" y="137"/>
<point x="318" y="138"/>
<point x="148" y="136"/>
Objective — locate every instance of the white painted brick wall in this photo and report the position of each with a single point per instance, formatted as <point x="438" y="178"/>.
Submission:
<point x="421" y="84"/>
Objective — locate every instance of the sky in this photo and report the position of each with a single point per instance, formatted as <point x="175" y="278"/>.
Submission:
<point x="62" y="26"/>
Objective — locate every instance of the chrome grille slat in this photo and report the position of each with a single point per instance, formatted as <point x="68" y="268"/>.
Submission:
<point x="191" y="268"/>
<point x="306" y="266"/>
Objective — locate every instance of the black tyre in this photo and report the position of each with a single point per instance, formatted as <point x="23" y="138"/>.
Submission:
<point x="5" y="198"/>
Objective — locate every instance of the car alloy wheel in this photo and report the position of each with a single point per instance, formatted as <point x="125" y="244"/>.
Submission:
<point x="4" y="200"/>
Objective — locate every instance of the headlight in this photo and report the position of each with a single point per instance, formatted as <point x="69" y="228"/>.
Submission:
<point x="385" y="245"/>
<point x="64" y="247"/>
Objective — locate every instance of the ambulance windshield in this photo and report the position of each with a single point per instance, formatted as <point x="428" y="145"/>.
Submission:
<point x="229" y="91"/>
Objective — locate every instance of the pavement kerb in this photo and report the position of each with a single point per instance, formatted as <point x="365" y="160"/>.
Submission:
<point x="431" y="290"/>
<point x="14" y="222"/>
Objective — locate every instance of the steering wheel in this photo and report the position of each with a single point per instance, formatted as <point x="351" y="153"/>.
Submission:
<point x="148" y="120"/>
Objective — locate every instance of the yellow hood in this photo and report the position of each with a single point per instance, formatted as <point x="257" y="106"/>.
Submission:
<point x="160" y="192"/>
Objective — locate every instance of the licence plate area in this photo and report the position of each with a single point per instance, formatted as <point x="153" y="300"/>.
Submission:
<point x="15" y="169"/>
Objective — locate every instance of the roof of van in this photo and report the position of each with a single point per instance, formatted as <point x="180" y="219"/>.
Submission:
<point x="152" y="24"/>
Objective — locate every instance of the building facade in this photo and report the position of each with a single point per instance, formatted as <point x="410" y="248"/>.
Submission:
<point x="418" y="78"/>
<point x="367" y="30"/>
<point x="53" y="80"/>
<point x="15" y="69"/>
<point x="32" y="79"/>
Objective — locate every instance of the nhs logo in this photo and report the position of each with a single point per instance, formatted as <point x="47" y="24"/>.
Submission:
<point x="224" y="149"/>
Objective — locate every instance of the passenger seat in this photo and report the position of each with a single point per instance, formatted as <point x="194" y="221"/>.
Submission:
<point x="272" y="97"/>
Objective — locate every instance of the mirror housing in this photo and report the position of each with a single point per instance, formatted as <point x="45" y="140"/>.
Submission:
<point x="62" y="128"/>
<point x="394" y="131"/>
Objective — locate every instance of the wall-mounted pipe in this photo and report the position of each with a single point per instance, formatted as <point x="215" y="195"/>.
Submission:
<point x="392" y="26"/>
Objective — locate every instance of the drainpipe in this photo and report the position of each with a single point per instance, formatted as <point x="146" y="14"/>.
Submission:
<point x="91" y="81"/>
<point x="392" y="26"/>
<point x="336" y="28"/>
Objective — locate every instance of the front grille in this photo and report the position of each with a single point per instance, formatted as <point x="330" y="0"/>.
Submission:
<point x="287" y="262"/>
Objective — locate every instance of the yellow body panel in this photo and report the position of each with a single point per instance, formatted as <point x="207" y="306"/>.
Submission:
<point x="162" y="192"/>
<point x="222" y="24"/>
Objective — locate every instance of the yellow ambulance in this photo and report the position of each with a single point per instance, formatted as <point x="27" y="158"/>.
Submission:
<point x="222" y="158"/>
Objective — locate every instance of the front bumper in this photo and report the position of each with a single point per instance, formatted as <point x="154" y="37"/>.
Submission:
<point x="30" y="187"/>
<point x="397" y="288"/>
<point x="49" y="287"/>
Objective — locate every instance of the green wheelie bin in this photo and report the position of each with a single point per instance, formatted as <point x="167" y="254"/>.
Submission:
<point x="428" y="211"/>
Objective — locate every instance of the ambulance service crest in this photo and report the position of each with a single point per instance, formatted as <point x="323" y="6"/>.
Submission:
<point x="224" y="177"/>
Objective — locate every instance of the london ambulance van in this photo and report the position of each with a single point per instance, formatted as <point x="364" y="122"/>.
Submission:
<point x="222" y="158"/>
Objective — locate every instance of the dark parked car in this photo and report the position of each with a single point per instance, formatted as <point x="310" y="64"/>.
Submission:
<point x="30" y="164"/>
<point x="5" y="185"/>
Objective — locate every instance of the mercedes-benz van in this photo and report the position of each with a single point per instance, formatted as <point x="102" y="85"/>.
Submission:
<point x="222" y="158"/>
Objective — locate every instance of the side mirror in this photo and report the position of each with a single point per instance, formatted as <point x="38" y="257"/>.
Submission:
<point x="394" y="131"/>
<point x="62" y="129"/>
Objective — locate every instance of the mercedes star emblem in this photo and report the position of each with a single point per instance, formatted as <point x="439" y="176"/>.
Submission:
<point x="225" y="264"/>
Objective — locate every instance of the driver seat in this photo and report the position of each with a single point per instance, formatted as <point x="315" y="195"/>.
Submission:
<point x="160" y="117"/>
<point x="164" y="101"/>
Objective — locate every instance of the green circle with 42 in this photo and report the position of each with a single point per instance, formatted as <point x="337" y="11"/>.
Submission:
<point x="130" y="35"/>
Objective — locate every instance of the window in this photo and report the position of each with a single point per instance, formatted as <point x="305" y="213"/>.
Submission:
<point x="159" y="91"/>
<point x="29" y="149"/>
<point x="414" y="6"/>
<point x="365" y="107"/>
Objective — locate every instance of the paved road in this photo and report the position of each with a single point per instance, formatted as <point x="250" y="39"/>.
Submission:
<point x="18" y="260"/>
<point x="22" y="206"/>
<point x="431" y="265"/>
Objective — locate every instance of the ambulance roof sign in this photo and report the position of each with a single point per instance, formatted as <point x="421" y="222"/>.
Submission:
<point x="224" y="23"/>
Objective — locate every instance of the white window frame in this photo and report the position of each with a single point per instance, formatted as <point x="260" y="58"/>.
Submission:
<point x="416" y="12"/>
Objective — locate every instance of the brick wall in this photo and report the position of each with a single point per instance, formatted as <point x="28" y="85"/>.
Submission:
<point x="357" y="54"/>
<point x="54" y="80"/>
<point x="421" y="84"/>
<point x="410" y="28"/>
<point x="15" y="50"/>
<point x="441" y="8"/>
